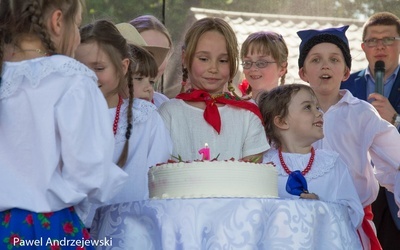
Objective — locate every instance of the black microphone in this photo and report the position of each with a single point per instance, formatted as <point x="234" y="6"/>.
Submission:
<point x="379" y="75"/>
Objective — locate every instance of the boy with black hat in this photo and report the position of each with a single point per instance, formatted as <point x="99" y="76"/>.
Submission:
<point x="352" y="127"/>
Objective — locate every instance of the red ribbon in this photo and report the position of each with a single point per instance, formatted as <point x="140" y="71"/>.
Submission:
<point x="369" y="231"/>
<point x="211" y="113"/>
<point x="243" y="86"/>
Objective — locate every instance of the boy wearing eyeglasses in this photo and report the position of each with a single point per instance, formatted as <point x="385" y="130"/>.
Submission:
<point x="381" y="37"/>
<point x="264" y="58"/>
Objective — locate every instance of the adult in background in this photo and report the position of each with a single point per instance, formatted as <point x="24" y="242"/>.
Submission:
<point x="381" y="42"/>
<point x="158" y="41"/>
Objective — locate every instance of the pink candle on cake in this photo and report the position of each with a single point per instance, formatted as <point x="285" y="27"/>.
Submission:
<point x="205" y="152"/>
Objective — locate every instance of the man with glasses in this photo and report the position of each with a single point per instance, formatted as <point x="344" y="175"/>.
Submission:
<point x="381" y="42"/>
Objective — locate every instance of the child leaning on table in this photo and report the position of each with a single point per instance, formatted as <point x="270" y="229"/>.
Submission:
<point x="352" y="127"/>
<point x="293" y="121"/>
<point x="206" y="114"/>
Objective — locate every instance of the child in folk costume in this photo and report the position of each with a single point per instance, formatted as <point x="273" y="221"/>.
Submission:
<point x="293" y="121"/>
<point x="352" y="127"/>
<point x="153" y="31"/>
<point x="141" y="138"/>
<point x="207" y="114"/>
<point x="146" y="68"/>
<point x="144" y="74"/>
<point x="56" y="142"/>
<point x="264" y="57"/>
<point x="159" y="43"/>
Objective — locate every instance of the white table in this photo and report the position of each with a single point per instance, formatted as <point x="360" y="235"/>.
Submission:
<point x="225" y="223"/>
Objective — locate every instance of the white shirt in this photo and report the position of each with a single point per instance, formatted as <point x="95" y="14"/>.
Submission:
<point x="149" y="144"/>
<point x="56" y="143"/>
<point x="241" y="135"/>
<point x="328" y="177"/>
<point x="159" y="99"/>
<point x="354" y="129"/>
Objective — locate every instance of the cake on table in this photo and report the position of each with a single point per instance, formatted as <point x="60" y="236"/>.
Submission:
<point x="212" y="179"/>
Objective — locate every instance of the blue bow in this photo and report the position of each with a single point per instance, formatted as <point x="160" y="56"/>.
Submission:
<point x="296" y="183"/>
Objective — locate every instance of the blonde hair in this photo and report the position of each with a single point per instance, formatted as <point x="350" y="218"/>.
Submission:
<point x="211" y="24"/>
<point x="267" y="43"/>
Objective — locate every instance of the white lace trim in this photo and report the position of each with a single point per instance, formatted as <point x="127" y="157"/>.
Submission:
<point x="324" y="161"/>
<point x="141" y="112"/>
<point x="16" y="73"/>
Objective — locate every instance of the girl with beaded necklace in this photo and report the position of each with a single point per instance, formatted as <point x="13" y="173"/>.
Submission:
<point x="293" y="121"/>
<point x="137" y="124"/>
<point x="206" y="114"/>
<point x="56" y="144"/>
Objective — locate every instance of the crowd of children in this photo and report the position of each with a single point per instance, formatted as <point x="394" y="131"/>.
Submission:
<point x="81" y="133"/>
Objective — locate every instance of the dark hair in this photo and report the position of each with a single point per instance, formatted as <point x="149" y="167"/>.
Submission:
<point x="28" y="17"/>
<point x="275" y="103"/>
<point x="108" y="38"/>
<point x="145" y="63"/>
<point x="381" y="18"/>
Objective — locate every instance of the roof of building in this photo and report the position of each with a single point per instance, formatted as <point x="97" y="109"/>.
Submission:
<point x="244" y="23"/>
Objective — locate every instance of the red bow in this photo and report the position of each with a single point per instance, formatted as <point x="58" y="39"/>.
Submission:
<point x="243" y="87"/>
<point x="211" y="113"/>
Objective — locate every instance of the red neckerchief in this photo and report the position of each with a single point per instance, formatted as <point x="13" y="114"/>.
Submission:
<point x="211" y="113"/>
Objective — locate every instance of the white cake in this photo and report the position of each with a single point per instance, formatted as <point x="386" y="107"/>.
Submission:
<point x="213" y="179"/>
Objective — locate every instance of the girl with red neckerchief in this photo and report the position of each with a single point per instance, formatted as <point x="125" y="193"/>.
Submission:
<point x="206" y="114"/>
<point x="293" y="121"/>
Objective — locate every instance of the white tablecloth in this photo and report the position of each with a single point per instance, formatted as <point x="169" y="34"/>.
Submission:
<point x="225" y="224"/>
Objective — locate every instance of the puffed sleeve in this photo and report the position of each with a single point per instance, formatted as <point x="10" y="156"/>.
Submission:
<point x="256" y="140"/>
<point x="162" y="150"/>
<point x="346" y="193"/>
<point x="87" y="142"/>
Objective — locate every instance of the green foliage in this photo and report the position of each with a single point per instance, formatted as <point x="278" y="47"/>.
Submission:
<point x="177" y="11"/>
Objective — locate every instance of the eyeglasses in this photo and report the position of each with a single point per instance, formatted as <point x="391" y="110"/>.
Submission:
<point x="385" y="41"/>
<point x="259" y="64"/>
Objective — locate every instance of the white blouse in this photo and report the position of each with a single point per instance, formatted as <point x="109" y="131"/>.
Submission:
<point x="56" y="143"/>
<point x="242" y="133"/>
<point x="328" y="177"/>
<point x="354" y="129"/>
<point x="159" y="98"/>
<point x="149" y="144"/>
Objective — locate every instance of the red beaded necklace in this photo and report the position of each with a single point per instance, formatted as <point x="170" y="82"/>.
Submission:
<point x="306" y="170"/>
<point x="116" y="119"/>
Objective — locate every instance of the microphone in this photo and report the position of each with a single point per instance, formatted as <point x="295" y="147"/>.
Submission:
<point x="379" y="75"/>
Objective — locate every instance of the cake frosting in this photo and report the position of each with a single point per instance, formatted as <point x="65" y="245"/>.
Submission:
<point x="201" y="179"/>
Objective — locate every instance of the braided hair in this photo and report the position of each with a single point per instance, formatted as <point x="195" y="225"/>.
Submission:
<point x="19" y="18"/>
<point x="110" y="40"/>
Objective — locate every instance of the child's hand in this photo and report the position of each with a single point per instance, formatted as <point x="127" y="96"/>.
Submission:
<point x="309" y="196"/>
